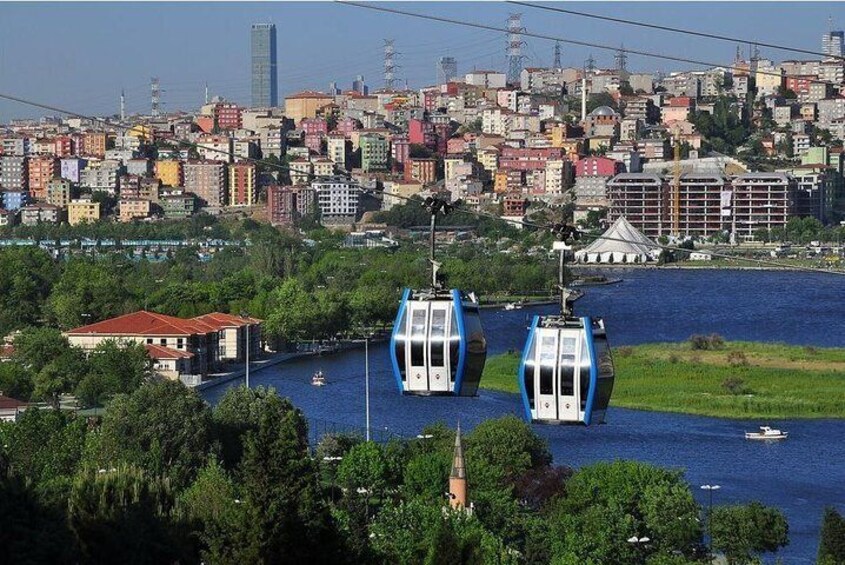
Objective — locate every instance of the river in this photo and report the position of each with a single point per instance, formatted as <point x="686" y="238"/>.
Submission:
<point x="800" y="475"/>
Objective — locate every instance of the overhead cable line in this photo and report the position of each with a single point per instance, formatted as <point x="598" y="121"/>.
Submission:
<point x="604" y="47"/>
<point x="457" y="210"/>
<point x="674" y="29"/>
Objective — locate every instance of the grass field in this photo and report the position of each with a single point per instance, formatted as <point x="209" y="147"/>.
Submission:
<point x="738" y="380"/>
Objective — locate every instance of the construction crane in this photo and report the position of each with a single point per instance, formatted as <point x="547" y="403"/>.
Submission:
<point x="676" y="186"/>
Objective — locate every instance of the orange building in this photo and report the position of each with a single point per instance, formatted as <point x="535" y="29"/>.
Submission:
<point x="422" y="170"/>
<point x="169" y="172"/>
<point x="41" y="171"/>
<point x="94" y="144"/>
<point x="242" y="184"/>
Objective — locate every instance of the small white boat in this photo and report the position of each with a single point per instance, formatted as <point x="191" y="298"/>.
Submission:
<point x="513" y="306"/>
<point x="318" y="379"/>
<point x="766" y="433"/>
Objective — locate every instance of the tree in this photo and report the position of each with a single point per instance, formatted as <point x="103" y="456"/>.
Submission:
<point x="607" y="503"/>
<point x="124" y="515"/>
<point x="16" y="381"/>
<point x="37" y="347"/>
<point x="832" y="543"/>
<point x="114" y="368"/>
<point x="60" y="376"/>
<point x="742" y="531"/>
<point x="287" y="517"/>
<point x="162" y="427"/>
<point x="26" y="276"/>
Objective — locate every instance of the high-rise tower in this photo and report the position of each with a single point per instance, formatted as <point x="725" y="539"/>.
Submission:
<point x="832" y="41"/>
<point x="265" y="87"/>
<point x="447" y="69"/>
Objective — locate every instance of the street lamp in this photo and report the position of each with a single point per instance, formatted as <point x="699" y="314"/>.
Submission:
<point x="710" y="489"/>
<point x="246" y="317"/>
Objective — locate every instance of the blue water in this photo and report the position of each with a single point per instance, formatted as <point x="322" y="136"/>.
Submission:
<point x="800" y="475"/>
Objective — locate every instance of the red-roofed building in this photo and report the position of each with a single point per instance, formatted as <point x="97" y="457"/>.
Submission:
<point x="168" y="362"/>
<point x="233" y="332"/>
<point x="195" y="337"/>
<point x="10" y="408"/>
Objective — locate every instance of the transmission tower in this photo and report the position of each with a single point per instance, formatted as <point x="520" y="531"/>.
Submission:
<point x="514" y="47"/>
<point x="557" y="64"/>
<point x="621" y="58"/>
<point x="390" y="65"/>
<point x="590" y="64"/>
<point x="155" y="89"/>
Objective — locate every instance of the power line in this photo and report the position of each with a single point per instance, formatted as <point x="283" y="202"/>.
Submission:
<point x="673" y="29"/>
<point x="569" y="41"/>
<point x="477" y="213"/>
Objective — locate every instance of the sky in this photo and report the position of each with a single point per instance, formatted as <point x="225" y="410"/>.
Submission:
<point x="80" y="55"/>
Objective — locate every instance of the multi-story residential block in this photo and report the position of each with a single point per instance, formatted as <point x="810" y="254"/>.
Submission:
<point x="35" y="214"/>
<point x="322" y="167"/>
<point x="832" y="70"/>
<point x="102" y="176"/>
<point x="70" y="168"/>
<point x="7" y="217"/>
<point x="215" y="148"/>
<point x="768" y="79"/>
<point x="14" y="173"/>
<point x="14" y="146"/>
<point x="421" y="170"/>
<point x="13" y="200"/>
<point x="301" y="171"/>
<point x="59" y="192"/>
<point x="783" y="115"/>
<point x="281" y="205"/>
<point x="149" y="189"/>
<point x="375" y="151"/>
<point x="271" y="141"/>
<point x="801" y="142"/>
<point x="597" y="167"/>
<point x="338" y="200"/>
<point x="242" y="184"/>
<point x="486" y="79"/>
<point x="169" y="172"/>
<point x="336" y="148"/>
<point x="245" y="149"/>
<point x="558" y="176"/>
<point x="643" y="199"/>
<point x="94" y="144"/>
<point x="227" y="116"/>
<point x="701" y="211"/>
<point x="830" y="109"/>
<point x="82" y="210"/>
<point x="133" y="208"/>
<point x="816" y="188"/>
<point x="761" y="201"/>
<point x="178" y="205"/>
<point x="140" y="167"/>
<point x="206" y="180"/>
<point x="305" y="105"/>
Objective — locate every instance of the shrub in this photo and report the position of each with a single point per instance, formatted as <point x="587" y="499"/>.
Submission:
<point x="810" y="350"/>
<point x="737" y="359"/>
<point x="625" y="351"/>
<point x="673" y="358"/>
<point x="706" y="342"/>
<point x="735" y="385"/>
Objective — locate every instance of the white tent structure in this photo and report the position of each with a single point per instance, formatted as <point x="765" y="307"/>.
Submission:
<point x="621" y="243"/>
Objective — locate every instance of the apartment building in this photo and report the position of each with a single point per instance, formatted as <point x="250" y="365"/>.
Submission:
<point x="643" y="199"/>
<point x="207" y="180"/>
<point x="242" y="186"/>
<point x="133" y="208"/>
<point x="338" y="199"/>
<point x="82" y="210"/>
<point x="59" y="192"/>
<point x="14" y="173"/>
<point x="375" y="151"/>
<point x="102" y="176"/>
<point x="761" y="201"/>
<point x="281" y="205"/>
<point x="701" y="198"/>
<point x="40" y="171"/>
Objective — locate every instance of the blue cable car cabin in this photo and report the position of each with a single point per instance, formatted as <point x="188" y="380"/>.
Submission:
<point x="566" y="373"/>
<point x="438" y="345"/>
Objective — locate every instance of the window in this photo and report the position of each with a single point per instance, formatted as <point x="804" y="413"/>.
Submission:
<point x="180" y="343"/>
<point x="163" y="341"/>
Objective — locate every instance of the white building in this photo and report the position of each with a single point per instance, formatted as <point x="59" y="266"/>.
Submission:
<point x="338" y="199"/>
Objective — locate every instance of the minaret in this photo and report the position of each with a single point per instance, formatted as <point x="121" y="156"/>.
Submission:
<point x="458" y="476"/>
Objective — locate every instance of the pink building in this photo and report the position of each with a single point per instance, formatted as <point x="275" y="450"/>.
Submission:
<point x="346" y="126"/>
<point x="281" y="205"/>
<point x="63" y="146"/>
<point x="400" y="149"/>
<point x="528" y="158"/>
<point x="421" y="132"/>
<point x="598" y="167"/>
<point x="227" y="115"/>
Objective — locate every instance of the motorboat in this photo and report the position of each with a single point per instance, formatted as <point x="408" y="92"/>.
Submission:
<point x="513" y="306"/>
<point x="318" y="379"/>
<point x="767" y="433"/>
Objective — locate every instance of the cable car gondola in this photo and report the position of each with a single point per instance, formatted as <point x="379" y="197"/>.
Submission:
<point x="438" y="345"/>
<point x="566" y="373"/>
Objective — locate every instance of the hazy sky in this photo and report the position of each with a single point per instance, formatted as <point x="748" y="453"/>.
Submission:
<point x="80" y="55"/>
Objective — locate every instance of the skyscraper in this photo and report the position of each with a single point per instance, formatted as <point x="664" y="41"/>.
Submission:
<point x="447" y="69"/>
<point x="264" y="80"/>
<point x="832" y="43"/>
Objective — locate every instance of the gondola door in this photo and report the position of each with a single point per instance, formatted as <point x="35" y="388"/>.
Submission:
<point x="438" y="359"/>
<point x="568" y="385"/>
<point x="416" y="352"/>
<point x="545" y="375"/>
